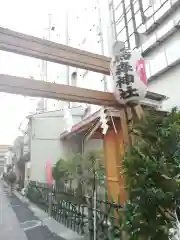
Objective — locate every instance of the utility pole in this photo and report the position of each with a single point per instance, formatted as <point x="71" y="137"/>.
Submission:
<point x="101" y="40"/>
<point x="48" y="37"/>
<point x="44" y="74"/>
<point x="67" y="43"/>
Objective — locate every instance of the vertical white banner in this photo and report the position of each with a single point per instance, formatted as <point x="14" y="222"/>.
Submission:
<point x="128" y="74"/>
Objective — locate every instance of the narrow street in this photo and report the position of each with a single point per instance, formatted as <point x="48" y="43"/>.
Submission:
<point x="18" y="222"/>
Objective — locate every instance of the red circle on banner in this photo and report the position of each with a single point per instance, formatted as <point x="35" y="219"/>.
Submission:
<point x="141" y="71"/>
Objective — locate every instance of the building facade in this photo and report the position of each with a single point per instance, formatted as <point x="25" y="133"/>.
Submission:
<point x="43" y="141"/>
<point x="153" y="28"/>
<point x="5" y="157"/>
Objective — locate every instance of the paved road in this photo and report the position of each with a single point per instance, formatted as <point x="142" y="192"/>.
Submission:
<point x="28" y="226"/>
<point x="9" y="224"/>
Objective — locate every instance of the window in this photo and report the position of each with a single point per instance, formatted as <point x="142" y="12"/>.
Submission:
<point x="162" y="11"/>
<point x="132" y="40"/>
<point x="136" y="6"/>
<point x="118" y="12"/>
<point x="146" y="4"/>
<point x="122" y="36"/>
<point x="130" y="27"/>
<point x="120" y="25"/>
<point x="138" y="19"/>
<point x="116" y="3"/>
<point x="129" y="15"/>
<point x="149" y="42"/>
<point x="156" y="4"/>
<point x="158" y="63"/>
<point x="148" y="12"/>
<point x="127" y="3"/>
<point x="142" y="28"/>
<point x="150" y="22"/>
<point x="173" y="52"/>
<point x="165" y="29"/>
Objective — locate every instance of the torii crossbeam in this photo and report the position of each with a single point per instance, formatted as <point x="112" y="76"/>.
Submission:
<point x="23" y="44"/>
<point x="38" y="48"/>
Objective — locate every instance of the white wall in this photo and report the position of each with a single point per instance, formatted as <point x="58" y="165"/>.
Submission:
<point x="168" y="84"/>
<point x="46" y="145"/>
<point x="162" y="56"/>
<point x="8" y="157"/>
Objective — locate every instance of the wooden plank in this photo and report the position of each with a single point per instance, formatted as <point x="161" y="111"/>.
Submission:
<point x="112" y="154"/>
<point x="138" y="111"/>
<point x="92" y="131"/>
<point x="35" y="88"/>
<point x="23" y="44"/>
<point x="124" y="127"/>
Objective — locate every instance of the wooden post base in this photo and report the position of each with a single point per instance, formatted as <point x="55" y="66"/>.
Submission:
<point x="114" y="145"/>
<point x="115" y="182"/>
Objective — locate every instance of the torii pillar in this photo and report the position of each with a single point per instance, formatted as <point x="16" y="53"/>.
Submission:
<point x="114" y="145"/>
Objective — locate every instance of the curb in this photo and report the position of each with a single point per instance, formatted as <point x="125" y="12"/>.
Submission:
<point x="54" y="226"/>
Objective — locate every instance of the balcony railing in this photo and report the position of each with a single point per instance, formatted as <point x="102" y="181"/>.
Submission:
<point x="25" y="150"/>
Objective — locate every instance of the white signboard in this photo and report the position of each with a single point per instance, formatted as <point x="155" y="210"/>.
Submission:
<point x="129" y="75"/>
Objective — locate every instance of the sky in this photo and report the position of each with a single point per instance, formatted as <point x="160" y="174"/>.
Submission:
<point x="30" y="17"/>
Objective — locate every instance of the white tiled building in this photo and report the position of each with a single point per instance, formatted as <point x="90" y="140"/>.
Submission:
<point x="150" y="26"/>
<point x="153" y="28"/>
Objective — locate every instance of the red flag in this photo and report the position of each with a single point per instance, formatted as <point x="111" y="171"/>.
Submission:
<point x="48" y="172"/>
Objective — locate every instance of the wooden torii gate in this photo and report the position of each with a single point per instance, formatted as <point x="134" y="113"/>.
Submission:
<point x="42" y="49"/>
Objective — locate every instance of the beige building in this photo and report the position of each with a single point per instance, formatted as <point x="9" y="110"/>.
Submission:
<point x="5" y="157"/>
<point x="42" y="142"/>
<point x="47" y="138"/>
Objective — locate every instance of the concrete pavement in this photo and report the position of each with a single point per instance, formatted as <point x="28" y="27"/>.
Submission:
<point x="10" y="228"/>
<point x="19" y="222"/>
<point x="31" y="224"/>
<point x="54" y="226"/>
<point x="22" y="220"/>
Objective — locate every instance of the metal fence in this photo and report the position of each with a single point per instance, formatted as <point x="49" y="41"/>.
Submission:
<point x="96" y="219"/>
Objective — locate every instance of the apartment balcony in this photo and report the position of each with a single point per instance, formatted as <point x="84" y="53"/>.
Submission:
<point x="26" y="153"/>
<point x="26" y="139"/>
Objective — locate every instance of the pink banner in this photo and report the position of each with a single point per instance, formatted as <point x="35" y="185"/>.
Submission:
<point x="48" y="172"/>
